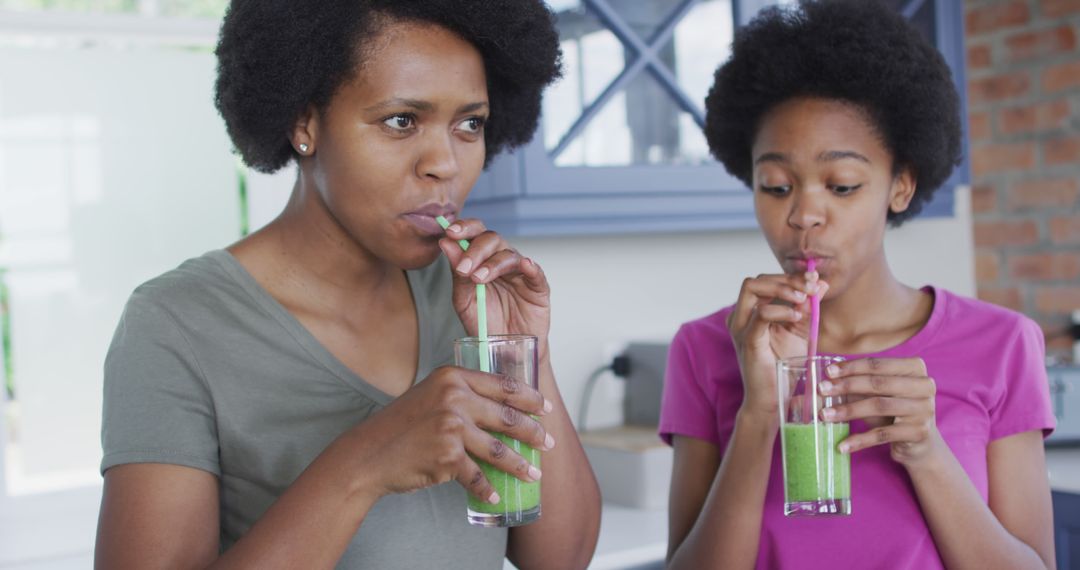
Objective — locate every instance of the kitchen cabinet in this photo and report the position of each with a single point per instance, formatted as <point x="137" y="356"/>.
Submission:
<point x="1067" y="529"/>
<point x="1063" y="467"/>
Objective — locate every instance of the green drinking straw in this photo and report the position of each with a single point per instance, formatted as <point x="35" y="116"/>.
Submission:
<point x="481" y="308"/>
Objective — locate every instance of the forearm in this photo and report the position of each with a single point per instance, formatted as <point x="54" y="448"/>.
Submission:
<point x="719" y="539"/>
<point x="565" y="536"/>
<point x="311" y="524"/>
<point x="966" y="532"/>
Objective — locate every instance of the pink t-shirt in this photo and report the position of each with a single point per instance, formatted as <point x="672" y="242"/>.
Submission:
<point x="988" y="365"/>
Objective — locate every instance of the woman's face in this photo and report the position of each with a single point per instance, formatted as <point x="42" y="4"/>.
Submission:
<point x="401" y="143"/>
<point x="823" y="185"/>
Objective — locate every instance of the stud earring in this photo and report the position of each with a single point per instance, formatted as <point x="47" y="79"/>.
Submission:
<point x="303" y="148"/>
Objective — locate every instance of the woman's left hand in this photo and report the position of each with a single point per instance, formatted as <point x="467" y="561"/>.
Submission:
<point x="518" y="296"/>
<point x="894" y="396"/>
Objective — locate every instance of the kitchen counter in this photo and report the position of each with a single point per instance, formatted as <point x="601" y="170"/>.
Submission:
<point x="629" y="539"/>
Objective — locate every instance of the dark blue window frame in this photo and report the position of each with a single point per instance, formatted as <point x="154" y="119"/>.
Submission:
<point x="525" y="194"/>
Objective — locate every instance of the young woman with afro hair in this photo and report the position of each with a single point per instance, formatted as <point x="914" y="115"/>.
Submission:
<point x="286" y="402"/>
<point x="843" y="120"/>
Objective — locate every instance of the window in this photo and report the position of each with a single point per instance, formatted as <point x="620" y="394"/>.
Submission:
<point x="620" y="147"/>
<point x="154" y="8"/>
<point x="90" y="167"/>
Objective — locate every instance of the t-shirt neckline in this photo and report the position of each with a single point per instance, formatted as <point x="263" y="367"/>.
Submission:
<point x="918" y="342"/>
<point x="311" y="345"/>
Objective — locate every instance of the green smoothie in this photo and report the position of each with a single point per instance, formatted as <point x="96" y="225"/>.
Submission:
<point x="515" y="495"/>
<point x="809" y="456"/>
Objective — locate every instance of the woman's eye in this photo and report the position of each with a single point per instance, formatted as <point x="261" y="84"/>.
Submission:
<point x="776" y="190"/>
<point x="845" y="190"/>
<point x="472" y="125"/>
<point x="400" y="122"/>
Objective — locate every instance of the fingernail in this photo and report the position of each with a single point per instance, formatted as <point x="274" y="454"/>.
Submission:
<point x="481" y="273"/>
<point x="549" y="442"/>
<point x="464" y="266"/>
<point x="844" y="448"/>
<point x="547" y="406"/>
<point x="800" y="295"/>
<point x="494" y="498"/>
<point x="828" y="413"/>
<point x="534" y="473"/>
<point x="454" y="228"/>
<point x="826" y="386"/>
<point x="833" y="370"/>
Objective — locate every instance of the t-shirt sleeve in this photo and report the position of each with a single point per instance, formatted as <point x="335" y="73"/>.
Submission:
<point x="1025" y="402"/>
<point x="686" y="408"/>
<point x="157" y="407"/>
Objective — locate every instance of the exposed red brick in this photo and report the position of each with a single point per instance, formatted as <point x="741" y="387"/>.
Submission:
<point x="983" y="199"/>
<point x="988" y="159"/>
<point x="1064" y="150"/>
<point x="1058" y="193"/>
<point x="1003" y="296"/>
<point x="1030" y="45"/>
<point x="1062" y="299"/>
<point x="1056" y="331"/>
<point x="1000" y="87"/>
<point x="979" y="125"/>
<point x="1056" y="8"/>
<point x="987" y="266"/>
<point x="1059" y="343"/>
<point x="1003" y="233"/>
<point x="985" y="19"/>
<point x="978" y="57"/>
<point x="1048" y="266"/>
<point x="1065" y="229"/>
<point x="1032" y="118"/>
<point x="1060" y="77"/>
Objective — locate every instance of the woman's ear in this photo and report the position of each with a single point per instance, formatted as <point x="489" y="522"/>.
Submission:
<point x="305" y="131"/>
<point x="902" y="191"/>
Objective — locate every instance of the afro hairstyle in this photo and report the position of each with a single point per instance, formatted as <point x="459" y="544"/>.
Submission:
<point x="856" y="51"/>
<point x="278" y="57"/>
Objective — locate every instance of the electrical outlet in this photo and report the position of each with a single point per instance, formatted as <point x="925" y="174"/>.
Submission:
<point x="614" y="389"/>
<point x="645" y="382"/>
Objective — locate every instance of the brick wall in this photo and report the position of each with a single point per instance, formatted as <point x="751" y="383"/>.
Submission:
<point x="1023" y="60"/>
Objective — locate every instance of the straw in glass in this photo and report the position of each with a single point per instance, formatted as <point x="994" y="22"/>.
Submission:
<point x="481" y="308"/>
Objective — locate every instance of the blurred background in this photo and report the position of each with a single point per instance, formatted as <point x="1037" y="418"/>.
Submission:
<point x="115" y="167"/>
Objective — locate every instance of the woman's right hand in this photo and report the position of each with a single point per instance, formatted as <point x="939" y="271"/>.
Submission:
<point x="770" y="320"/>
<point x="433" y="432"/>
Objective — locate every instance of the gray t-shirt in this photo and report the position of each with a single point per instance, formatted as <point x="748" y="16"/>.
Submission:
<point x="207" y="370"/>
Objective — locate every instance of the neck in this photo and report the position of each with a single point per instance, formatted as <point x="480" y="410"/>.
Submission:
<point x="870" y="312"/>
<point x="318" y="256"/>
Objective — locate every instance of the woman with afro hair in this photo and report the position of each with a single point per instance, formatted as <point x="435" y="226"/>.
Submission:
<point x="286" y="402"/>
<point x="843" y="120"/>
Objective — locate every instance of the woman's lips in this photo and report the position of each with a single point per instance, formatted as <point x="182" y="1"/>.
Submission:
<point x="427" y="225"/>
<point x="800" y="263"/>
<point x="423" y="217"/>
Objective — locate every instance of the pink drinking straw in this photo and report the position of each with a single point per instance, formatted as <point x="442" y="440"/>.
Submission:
<point x="810" y="403"/>
<point x="815" y="313"/>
